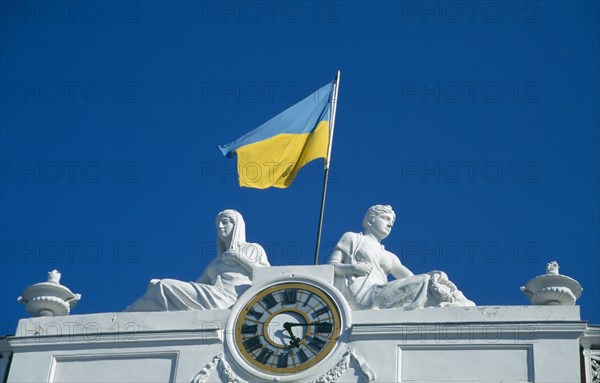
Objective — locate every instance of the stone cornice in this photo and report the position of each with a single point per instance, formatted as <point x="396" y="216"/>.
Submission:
<point x="115" y="340"/>
<point x="591" y="338"/>
<point x="478" y="314"/>
<point x="518" y="332"/>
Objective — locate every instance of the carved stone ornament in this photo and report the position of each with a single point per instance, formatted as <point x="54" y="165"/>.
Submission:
<point x="338" y="370"/>
<point x="226" y="277"/>
<point x="363" y="265"/>
<point x="595" y="366"/>
<point x="49" y="298"/>
<point x="217" y="362"/>
<point x="331" y="376"/>
<point x="552" y="288"/>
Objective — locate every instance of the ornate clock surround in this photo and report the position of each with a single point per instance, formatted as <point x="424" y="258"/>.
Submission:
<point x="315" y="288"/>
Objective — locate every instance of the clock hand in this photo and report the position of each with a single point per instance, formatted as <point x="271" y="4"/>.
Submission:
<point x="295" y="341"/>
<point x="301" y="324"/>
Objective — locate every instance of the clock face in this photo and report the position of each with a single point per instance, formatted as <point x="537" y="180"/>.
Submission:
<point x="287" y="328"/>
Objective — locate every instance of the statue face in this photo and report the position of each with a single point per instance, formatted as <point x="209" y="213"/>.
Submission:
<point x="225" y="227"/>
<point x="381" y="225"/>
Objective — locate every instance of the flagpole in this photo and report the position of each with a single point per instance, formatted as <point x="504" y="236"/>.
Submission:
<point x="334" y="98"/>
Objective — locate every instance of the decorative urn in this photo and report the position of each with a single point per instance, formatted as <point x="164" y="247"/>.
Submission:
<point x="552" y="288"/>
<point x="49" y="298"/>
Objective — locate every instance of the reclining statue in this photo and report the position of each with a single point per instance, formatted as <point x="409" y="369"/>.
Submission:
<point x="225" y="278"/>
<point x="362" y="266"/>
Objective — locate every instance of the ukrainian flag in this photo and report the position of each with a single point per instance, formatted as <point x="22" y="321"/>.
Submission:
<point x="273" y="153"/>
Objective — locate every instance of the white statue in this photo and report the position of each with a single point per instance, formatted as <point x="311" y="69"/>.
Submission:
<point x="362" y="266"/>
<point x="225" y="278"/>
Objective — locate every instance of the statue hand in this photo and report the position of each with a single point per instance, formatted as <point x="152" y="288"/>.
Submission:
<point x="361" y="269"/>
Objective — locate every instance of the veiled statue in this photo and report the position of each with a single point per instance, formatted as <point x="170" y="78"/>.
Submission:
<point x="362" y="265"/>
<point x="225" y="278"/>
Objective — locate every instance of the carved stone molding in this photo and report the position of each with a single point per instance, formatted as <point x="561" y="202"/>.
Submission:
<point x="205" y="372"/>
<point x="338" y="370"/>
<point x="590" y="342"/>
<point x="332" y="376"/>
<point x="218" y="362"/>
<point x="594" y="370"/>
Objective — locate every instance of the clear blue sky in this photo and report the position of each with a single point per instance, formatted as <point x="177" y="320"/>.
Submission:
<point x="478" y="123"/>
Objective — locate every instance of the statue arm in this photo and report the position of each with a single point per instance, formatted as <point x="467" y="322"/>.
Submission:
<point x="341" y="269"/>
<point x="340" y="259"/>
<point x="205" y="277"/>
<point x="399" y="271"/>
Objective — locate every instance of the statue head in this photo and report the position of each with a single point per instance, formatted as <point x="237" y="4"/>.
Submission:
<point x="231" y="230"/>
<point x="379" y="220"/>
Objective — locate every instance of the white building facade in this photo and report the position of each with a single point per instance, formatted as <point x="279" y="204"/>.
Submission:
<point x="312" y="336"/>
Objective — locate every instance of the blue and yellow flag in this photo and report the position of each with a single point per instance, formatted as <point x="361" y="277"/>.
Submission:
<point x="273" y="153"/>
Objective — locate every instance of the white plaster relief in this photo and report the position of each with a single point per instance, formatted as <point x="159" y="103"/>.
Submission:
<point x="331" y="376"/>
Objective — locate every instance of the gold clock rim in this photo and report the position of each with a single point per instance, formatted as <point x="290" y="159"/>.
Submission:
<point x="336" y="332"/>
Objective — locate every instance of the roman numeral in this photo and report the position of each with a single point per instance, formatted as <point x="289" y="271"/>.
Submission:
<point x="320" y="312"/>
<point x="269" y="301"/>
<point x="307" y="299"/>
<point x="252" y="344"/>
<point x="249" y="328"/>
<point x="282" y="360"/>
<point x="255" y="314"/>
<point x="323" y="327"/>
<point x="264" y="355"/>
<point x="302" y="356"/>
<point x="316" y="344"/>
<point x="290" y="296"/>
